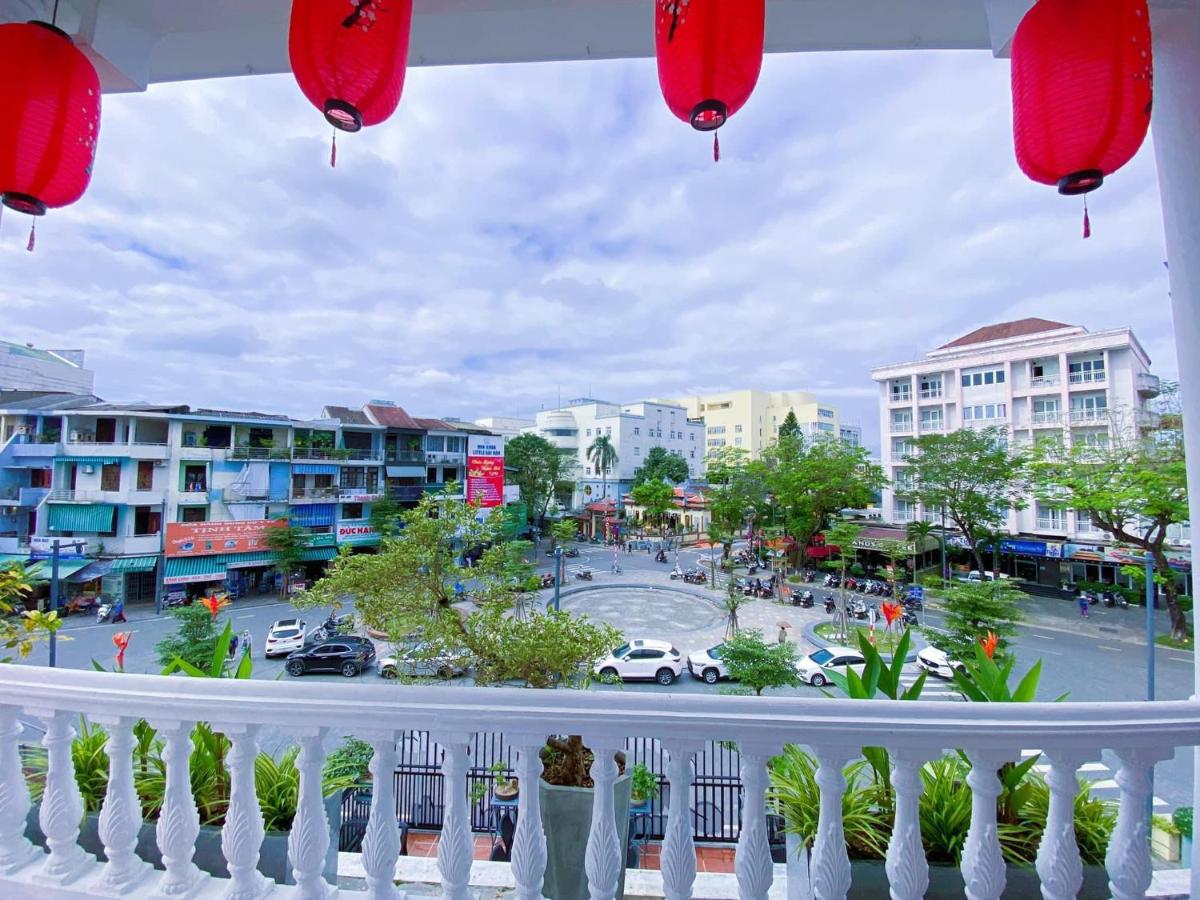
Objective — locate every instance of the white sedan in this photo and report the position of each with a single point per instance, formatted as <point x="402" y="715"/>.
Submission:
<point x="285" y="636"/>
<point x="642" y="660"/>
<point x="708" y="665"/>
<point x="814" y="669"/>
<point x="937" y="662"/>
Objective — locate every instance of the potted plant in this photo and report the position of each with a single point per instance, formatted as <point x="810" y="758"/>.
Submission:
<point x="1182" y="817"/>
<point x="1165" y="838"/>
<point x="643" y="785"/>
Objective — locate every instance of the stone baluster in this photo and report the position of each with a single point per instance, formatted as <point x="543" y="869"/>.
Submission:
<point x="308" y="842"/>
<point x="678" y="860"/>
<point x="62" y="805"/>
<point x="456" y="846"/>
<point x="381" y="843"/>
<point x="603" y="862"/>
<point x="1058" y="862"/>
<point x="121" y="815"/>
<point x="529" y="842"/>
<point x="907" y="870"/>
<point x="982" y="861"/>
<point x="16" y="851"/>
<point x="178" y="820"/>
<point x="752" y="860"/>
<point x="242" y="834"/>
<point x="1128" y="857"/>
<point x="829" y="865"/>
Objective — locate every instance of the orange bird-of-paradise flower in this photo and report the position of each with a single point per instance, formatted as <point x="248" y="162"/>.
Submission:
<point x="989" y="643"/>
<point x="891" y="612"/>
<point x="121" y="642"/>
<point x="214" y="604"/>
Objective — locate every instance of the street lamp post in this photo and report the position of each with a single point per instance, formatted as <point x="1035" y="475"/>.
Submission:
<point x="945" y="571"/>
<point x="54" y="593"/>
<point x="558" y="573"/>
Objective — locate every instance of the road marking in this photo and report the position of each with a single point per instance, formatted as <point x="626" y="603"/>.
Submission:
<point x="1182" y="659"/>
<point x="1044" y="637"/>
<point x="1106" y="647"/>
<point x="245" y="616"/>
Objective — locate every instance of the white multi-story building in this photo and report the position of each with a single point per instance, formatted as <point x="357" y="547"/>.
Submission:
<point x="633" y="428"/>
<point x="505" y="426"/>
<point x="751" y="419"/>
<point x="24" y="367"/>
<point x="1030" y="377"/>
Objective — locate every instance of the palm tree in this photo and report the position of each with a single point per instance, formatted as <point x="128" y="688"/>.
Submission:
<point x="603" y="455"/>
<point x="918" y="532"/>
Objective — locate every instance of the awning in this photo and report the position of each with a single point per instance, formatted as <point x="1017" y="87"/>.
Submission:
<point x="90" y="518"/>
<point x="90" y="572"/>
<point x="43" y="570"/>
<point x="319" y="554"/>
<point x="314" y="469"/>
<point x="133" y="564"/>
<point x="307" y="515"/>
<point x="196" y="568"/>
<point x="89" y="460"/>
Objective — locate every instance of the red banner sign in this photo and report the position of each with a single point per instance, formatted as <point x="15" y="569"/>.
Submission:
<point x="211" y="538"/>
<point x="485" y="470"/>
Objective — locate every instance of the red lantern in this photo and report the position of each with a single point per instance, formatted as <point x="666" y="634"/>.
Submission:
<point x="349" y="57"/>
<point x="709" y="56"/>
<point x="49" y="118"/>
<point x="1082" y="76"/>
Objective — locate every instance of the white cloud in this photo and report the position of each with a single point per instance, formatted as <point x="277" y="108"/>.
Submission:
<point x="517" y="231"/>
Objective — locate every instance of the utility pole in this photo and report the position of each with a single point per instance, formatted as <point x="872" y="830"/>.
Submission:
<point x="162" y="557"/>
<point x="945" y="571"/>
<point x="54" y="594"/>
<point x="558" y="573"/>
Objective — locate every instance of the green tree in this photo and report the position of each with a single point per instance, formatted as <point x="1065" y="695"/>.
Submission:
<point x="287" y="544"/>
<point x="563" y="531"/>
<point x="972" y="611"/>
<point x="603" y="455"/>
<point x="536" y="466"/>
<point x="656" y="498"/>
<point x="385" y="517"/>
<point x="897" y="554"/>
<point x="20" y="633"/>
<point x="194" y="640"/>
<point x="758" y="665"/>
<point x="973" y="476"/>
<point x="661" y="464"/>
<point x="1134" y="489"/>
<point x="733" y="492"/>
<point x="790" y="426"/>
<point x="841" y="537"/>
<point x="813" y="481"/>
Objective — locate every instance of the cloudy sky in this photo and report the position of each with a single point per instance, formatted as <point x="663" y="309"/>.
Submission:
<point x="516" y="233"/>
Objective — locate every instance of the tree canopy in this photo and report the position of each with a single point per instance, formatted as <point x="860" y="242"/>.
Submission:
<point x="758" y="665"/>
<point x="790" y="426"/>
<point x="536" y="466"/>
<point x="656" y="498"/>
<point x="20" y="633"/>
<point x="661" y="464"/>
<point x="603" y="455"/>
<point x="972" y="611"/>
<point x="385" y="517"/>
<point x="971" y="474"/>
<point x="287" y="544"/>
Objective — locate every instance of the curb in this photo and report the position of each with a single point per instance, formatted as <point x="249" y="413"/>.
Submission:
<point x="810" y="634"/>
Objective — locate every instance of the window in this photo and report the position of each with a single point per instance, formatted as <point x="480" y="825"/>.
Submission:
<point x="966" y="381"/>
<point x="1096" y="439"/>
<point x="737" y="429"/>
<point x="904" y="510"/>
<point x="1089" y="408"/>
<point x="147" y="520"/>
<point x="989" y="377"/>
<point x="823" y="426"/>
<point x="193" y="514"/>
<point x="637" y="451"/>
<point x="589" y="432"/>
<point x="456" y="444"/>
<point x="195" y="478"/>
<point x="692" y="435"/>
<point x="999" y="376"/>
<point x="608" y="430"/>
<point x="1086" y="370"/>
<point x="828" y="413"/>
<point x="1084" y="521"/>
<point x="901" y="391"/>
<point x="435" y="443"/>
<point x="902" y="448"/>
<point x="110" y="477"/>
<point x="716" y="442"/>
<point x="431" y="476"/>
<point x="636" y="431"/>
<point x="716" y="429"/>
<point x="738" y="441"/>
<point x="352" y="510"/>
<point x="145" y="475"/>
<point x="692" y="454"/>
<point x="1050" y="518"/>
<point x="902" y="421"/>
<point x="931" y="420"/>
<point x="931" y="387"/>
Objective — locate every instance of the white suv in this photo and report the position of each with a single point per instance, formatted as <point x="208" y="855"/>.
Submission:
<point x="708" y="665"/>
<point x="644" y="660"/>
<point x="283" y="637"/>
<point x="814" y="669"/>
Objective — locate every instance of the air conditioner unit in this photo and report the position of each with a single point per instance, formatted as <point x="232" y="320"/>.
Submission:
<point x="22" y="429"/>
<point x="74" y="436"/>
<point x="87" y="469"/>
<point x="160" y="464"/>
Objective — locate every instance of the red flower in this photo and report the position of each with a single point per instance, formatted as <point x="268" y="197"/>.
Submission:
<point x="121" y="641"/>
<point x="989" y="643"/>
<point x="214" y="604"/>
<point x="891" y="612"/>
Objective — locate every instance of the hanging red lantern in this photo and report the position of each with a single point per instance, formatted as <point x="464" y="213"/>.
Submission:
<point x="349" y="57"/>
<point x="1082" y="78"/>
<point x="49" y="118"/>
<point x="709" y="56"/>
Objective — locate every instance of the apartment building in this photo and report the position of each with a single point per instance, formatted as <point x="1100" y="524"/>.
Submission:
<point x="1029" y="377"/>
<point x="633" y="428"/>
<point x="24" y="367"/>
<point x="145" y="495"/>
<point x="750" y="419"/>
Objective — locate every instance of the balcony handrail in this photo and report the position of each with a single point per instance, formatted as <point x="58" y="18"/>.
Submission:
<point x="1086" y="377"/>
<point x="1044" y="381"/>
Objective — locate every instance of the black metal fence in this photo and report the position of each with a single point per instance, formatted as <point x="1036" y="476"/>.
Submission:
<point x="715" y="802"/>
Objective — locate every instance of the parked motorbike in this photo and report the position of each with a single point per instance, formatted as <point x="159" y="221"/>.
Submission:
<point x="584" y="575"/>
<point x="103" y="612"/>
<point x="677" y="573"/>
<point x="1109" y="599"/>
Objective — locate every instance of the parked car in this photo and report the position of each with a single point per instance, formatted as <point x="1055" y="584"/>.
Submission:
<point x="642" y="660"/>
<point x="421" y="661"/>
<point x="814" y="669"/>
<point x="708" y="665"/>
<point x="345" y="653"/>
<point x="284" y="636"/>
<point x="937" y="662"/>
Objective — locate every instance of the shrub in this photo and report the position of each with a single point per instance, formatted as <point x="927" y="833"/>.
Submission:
<point x="1182" y="818"/>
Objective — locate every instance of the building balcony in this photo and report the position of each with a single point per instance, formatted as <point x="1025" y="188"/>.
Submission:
<point x="904" y="427"/>
<point x="1040" y="382"/>
<point x="931" y="394"/>
<point x="442" y="458"/>
<point x="441" y="489"/>
<point x="260" y="454"/>
<point x="85" y="496"/>
<point x="255" y="495"/>
<point x="1148" y="385"/>
<point x="134" y="544"/>
<point x="1050" y="418"/>
<point x="1098" y="416"/>
<point x="23" y="496"/>
<point x="1057" y="524"/>
<point x="934" y="426"/>
<point x="337" y="454"/>
<point x="1075" y="378"/>
<point x="193" y="494"/>
<point x="989" y="735"/>
<point x="314" y="495"/>
<point x="406" y="493"/>
<point x="405" y="457"/>
<point x="901" y="398"/>
<point x="84" y="446"/>
<point x="35" y="446"/>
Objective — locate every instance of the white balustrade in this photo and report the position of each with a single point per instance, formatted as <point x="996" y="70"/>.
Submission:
<point x="308" y="842"/>
<point x="1139" y="733"/>
<point x="678" y="856"/>
<point x="455" y="847"/>
<point x="752" y="861"/>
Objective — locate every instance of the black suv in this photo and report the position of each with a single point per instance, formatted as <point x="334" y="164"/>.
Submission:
<point x="347" y="653"/>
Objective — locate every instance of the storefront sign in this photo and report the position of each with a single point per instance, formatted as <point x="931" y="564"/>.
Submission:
<point x="42" y="547"/>
<point x="868" y="543"/>
<point x="360" y="496"/>
<point x="356" y="531"/>
<point x="1033" y="548"/>
<point x="210" y="538"/>
<point x="485" y="470"/>
<point x="1123" y="556"/>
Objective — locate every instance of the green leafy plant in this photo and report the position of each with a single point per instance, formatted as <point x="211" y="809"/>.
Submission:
<point x="753" y="662"/>
<point x="350" y="760"/>
<point x="194" y="639"/>
<point x="1182" y="817"/>
<point x="983" y="680"/>
<point x="218" y="664"/>
<point x="644" y="783"/>
<point x="945" y="808"/>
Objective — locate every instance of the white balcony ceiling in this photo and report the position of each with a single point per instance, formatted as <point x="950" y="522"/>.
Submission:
<point x="140" y="42"/>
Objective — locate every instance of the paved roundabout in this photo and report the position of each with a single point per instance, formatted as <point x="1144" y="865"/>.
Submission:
<point x="687" y="618"/>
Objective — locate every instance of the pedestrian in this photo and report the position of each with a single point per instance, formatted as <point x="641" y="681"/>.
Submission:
<point x="1083" y="605"/>
<point x="119" y="611"/>
<point x="233" y="645"/>
<point x="246" y="643"/>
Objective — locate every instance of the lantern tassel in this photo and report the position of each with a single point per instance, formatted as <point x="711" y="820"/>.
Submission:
<point x="1087" y="223"/>
<point x="32" y="236"/>
<point x="333" y="152"/>
<point x="716" y="148"/>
